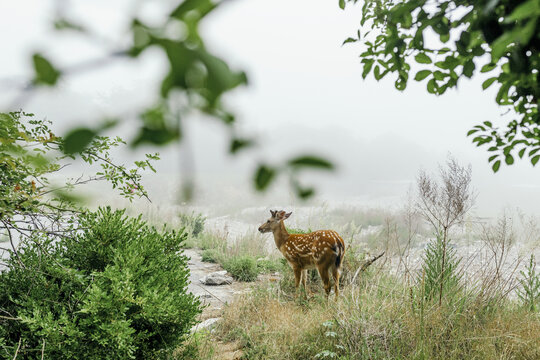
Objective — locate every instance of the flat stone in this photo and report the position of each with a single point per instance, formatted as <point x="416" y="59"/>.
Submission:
<point x="217" y="278"/>
<point x="207" y="324"/>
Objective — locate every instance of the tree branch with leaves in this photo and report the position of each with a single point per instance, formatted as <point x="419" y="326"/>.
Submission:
<point x="454" y="39"/>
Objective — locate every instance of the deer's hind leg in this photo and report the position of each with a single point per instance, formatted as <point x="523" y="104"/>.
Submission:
<point x="323" y="273"/>
<point x="336" y="273"/>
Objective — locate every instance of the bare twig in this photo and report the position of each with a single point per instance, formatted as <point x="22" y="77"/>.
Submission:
<point x="18" y="347"/>
<point x="365" y="265"/>
<point x="14" y="248"/>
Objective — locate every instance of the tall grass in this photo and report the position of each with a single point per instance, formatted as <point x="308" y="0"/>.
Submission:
<point x="384" y="312"/>
<point x="380" y="318"/>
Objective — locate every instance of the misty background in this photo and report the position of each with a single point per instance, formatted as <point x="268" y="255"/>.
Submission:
<point x="305" y="95"/>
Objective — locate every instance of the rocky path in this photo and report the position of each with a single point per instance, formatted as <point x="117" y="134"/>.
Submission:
<point x="212" y="296"/>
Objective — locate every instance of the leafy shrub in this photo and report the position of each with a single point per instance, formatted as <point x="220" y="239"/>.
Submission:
<point x="211" y="256"/>
<point x="243" y="268"/>
<point x="440" y="270"/>
<point x="298" y="231"/>
<point x="194" y="223"/>
<point x="529" y="292"/>
<point x="268" y="265"/>
<point x="114" y="288"/>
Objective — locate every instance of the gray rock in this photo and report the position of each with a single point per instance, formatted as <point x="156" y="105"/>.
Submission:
<point x="217" y="278"/>
<point x="207" y="324"/>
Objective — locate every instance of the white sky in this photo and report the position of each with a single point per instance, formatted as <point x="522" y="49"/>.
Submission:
<point x="305" y="94"/>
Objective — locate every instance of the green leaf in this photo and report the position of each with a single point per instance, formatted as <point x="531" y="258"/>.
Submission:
<point x="304" y="193"/>
<point x="524" y="11"/>
<point x="311" y="161"/>
<point x="439" y="75"/>
<point x="496" y="165"/>
<point x="77" y="140"/>
<point x="422" y="58"/>
<point x="45" y="72"/>
<point x="342" y="4"/>
<point x="445" y="37"/>
<point x="64" y="24"/>
<point x="535" y="159"/>
<point x="488" y="83"/>
<point x="264" y="176"/>
<point x="432" y="86"/>
<point x="157" y="136"/>
<point x="509" y="159"/>
<point x="488" y="67"/>
<point x="422" y="74"/>
<point x="349" y="40"/>
<point x="220" y="77"/>
<point x="237" y="144"/>
<point x="368" y="63"/>
<point x="468" y="68"/>
<point x="470" y="132"/>
<point x="521" y="152"/>
<point x="192" y="8"/>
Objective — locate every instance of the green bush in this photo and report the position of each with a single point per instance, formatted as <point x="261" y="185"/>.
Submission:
<point x="194" y="223"/>
<point x="269" y="266"/>
<point x="529" y="290"/>
<point x="211" y="256"/>
<point x="434" y="276"/>
<point x="298" y="231"/>
<point x="114" y="288"/>
<point x="243" y="268"/>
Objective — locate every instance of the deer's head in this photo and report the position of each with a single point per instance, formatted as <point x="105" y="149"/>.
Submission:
<point x="273" y="223"/>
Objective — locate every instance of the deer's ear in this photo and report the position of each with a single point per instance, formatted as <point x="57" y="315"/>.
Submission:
<point x="286" y="216"/>
<point x="273" y="212"/>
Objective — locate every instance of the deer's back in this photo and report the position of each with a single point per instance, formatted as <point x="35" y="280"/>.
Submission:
<point x="308" y="250"/>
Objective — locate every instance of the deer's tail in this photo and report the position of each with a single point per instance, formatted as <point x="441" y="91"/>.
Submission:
<point x="340" y="251"/>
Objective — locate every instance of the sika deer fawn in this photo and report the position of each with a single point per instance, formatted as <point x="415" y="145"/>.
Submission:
<point x="322" y="249"/>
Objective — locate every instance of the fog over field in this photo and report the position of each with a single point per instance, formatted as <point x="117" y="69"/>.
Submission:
<point x="305" y="95"/>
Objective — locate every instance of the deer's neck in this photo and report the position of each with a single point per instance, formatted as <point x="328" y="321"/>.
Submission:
<point x="280" y="235"/>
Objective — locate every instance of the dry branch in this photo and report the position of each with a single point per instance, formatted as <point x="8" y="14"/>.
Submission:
<point x="365" y="265"/>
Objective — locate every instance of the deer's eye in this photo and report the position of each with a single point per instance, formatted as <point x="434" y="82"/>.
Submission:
<point x="268" y="222"/>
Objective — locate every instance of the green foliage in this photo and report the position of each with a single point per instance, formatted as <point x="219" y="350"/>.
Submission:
<point x="264" y="176"/>
<point x="110" y="288"/>
<point x="269" y="265"/>
<point x="497" y="37"/>
<point x="529" y="292"/>
<point x="298" y="231"/>
<point x="30" y="152"/>
<point x="77" y="140"/>
<point x="440" y="270"/>
<point x="330" y="334"/>
<point x="242" y="268"/>
<point x="45" y="72"/>
<point x="211" y="256"/>
<point x="193" y="223"/>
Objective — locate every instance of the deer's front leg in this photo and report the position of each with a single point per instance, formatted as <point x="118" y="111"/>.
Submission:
<point x="297" y="278"/>
<point x="304" y="282"/>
